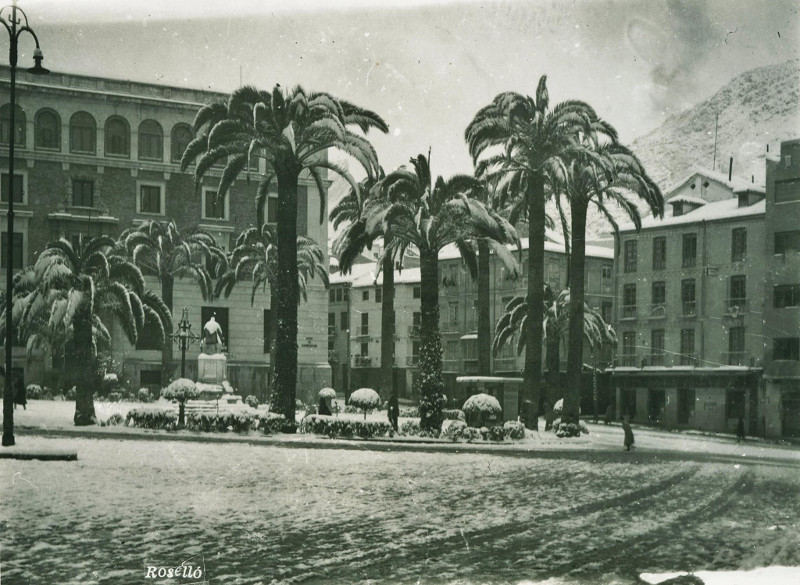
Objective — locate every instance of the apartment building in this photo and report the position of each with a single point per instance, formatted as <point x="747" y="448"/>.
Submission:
<point x="96" y="156"/>
<point x="689" y="308"/>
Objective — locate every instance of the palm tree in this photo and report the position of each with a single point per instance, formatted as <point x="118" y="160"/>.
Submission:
<point x="350" y="243"/>
<point x="612" y="174"/>
<point x="292" y="131"/>
<point x="71" y="295"/>
<point x="255" y="258"/>
<point x="519" y="141"/>
<point x="160" y="249"/>
<point x="555" y="326"/>
<point x="429" y="215"/>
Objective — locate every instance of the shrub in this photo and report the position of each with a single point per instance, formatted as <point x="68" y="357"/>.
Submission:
<point x="271" y="423"/>
<point x="409" y="412"/>
<point x="414" y="429"/>
<point x="114" y="396"/>
<point x="251" y="401"/>
<point x="480" y="409"/>
<point x="513" y="429"/>
<point x="33" y="392"/>
<point x="339" y="427"/>
<point x="114" y="420"/>
<point x="327" y="393"/>
<point x="143" y="395"/>
<point x="365" y="399"/>
<point x="453" y="414"/>
<point x="151" y="418"/>
<point x="70" y="394"/>
<point x="180" y="390"/>
<point x="110" y="382"/>
<point x="569" y="429"/>
<point x="496" y="433"/>
<point x="239" y="422"/>
<point x="454" y="429"/>
<point x="470" y="434"/>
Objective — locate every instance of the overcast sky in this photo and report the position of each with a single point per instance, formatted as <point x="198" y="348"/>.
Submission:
<point x="427" y="66"/>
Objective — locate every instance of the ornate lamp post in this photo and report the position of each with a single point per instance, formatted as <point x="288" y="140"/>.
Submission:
<point x="16" y="23"/>
<point x="184" y="337"/>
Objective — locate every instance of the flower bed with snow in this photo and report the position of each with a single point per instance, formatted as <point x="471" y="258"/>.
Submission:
<point x="330" y="426"/>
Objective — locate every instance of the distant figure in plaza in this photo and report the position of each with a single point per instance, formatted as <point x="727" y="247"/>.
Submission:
<point x="393" y="411"/>
<point x="740" y="430"/>
<point x="323" y="407"/>
<point x="609" y="413"/>
<point x="626" y="426"/>
<point x="20" y="393"/>
<point x="548" y="416"/>
<point x="212" y="336"/>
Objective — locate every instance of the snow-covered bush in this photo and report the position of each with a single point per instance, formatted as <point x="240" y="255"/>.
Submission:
<point x="327" y="393"/>
<point x="496" y="433"/>
<point x="271" y="423"/>
<point x="239" y="422"/>
<point x="251" y="401"/>
<point x="559" y="406"/>
<point x="338" y="427"/>
<point x="70" y="394"/>
<point x="143" y="395"/>
<point x="227" y="388"/>
<point x="514" y="430"/>
<point x="114" y="420"/>
<point x="453" y="429"/>
<point x="414" y="429"/>
<point x="365" y="399"/>
<point x="180" y="391"/>
<point x="480" y="409"/>
<point x="569" y="429"/>
<point x="151" y="418"/>
<point x="33" y="392"/>
<point x="409" y="412"/>
<point x="453" y="414"/>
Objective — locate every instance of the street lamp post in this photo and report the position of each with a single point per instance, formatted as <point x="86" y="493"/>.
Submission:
<point x="183" y="337"/>
<point x="16" y="23"/>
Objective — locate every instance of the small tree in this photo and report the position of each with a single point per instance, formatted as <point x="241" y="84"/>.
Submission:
<point x="480" y="408"/>
<point x="180" y="390"/>
<point x="365" y="399"/>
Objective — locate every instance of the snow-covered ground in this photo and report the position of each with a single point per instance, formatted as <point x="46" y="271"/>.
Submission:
<point x="254" y="513"/>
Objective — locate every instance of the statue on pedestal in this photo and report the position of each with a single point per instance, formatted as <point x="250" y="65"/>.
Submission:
<point x="212" y="336"/>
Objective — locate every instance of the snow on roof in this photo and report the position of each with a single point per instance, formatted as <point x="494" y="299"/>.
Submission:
<point x="357" y="271"/>
<point x="751" y="188"/>
<point x="717" y="210"/>
<point x="687" y="199"/>
<point x="450" y="251"/>
<point x="734" y="183"/>
<point x="406" y="276"/>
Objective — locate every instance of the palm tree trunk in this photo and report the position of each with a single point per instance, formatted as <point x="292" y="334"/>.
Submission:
<point x="533" y="345"/>
<point x="572" y="395"/>
<point x="274" y="397"/>
<point x="553" y="358"/>
<point x="387" y="329"/>
<point x="287" y="289"/>
<point x="85" y="379"/>
<point x="167" y="284"/>
<point x="431" y="382"/>
<point x="484" y="321"/>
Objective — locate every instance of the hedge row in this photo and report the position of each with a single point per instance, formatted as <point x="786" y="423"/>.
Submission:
<point x="337" y="427"/>
<point x="152" y="418"/>
<point x="238" y="422"/>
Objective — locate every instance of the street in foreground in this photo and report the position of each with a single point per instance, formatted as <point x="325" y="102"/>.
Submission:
<point x="254" y="513"/>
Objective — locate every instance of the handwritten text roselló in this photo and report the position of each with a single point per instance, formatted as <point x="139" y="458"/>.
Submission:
<point x="186" y="571"/>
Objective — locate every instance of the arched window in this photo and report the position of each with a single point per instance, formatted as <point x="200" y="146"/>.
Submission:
<point x="48" y="130"/>
<point x="118" y="137"/>
<point x="182" y="135"/>
<point x="82" y="133"/>
<point x="151" y="140"/>
<point x="19" y="122"/>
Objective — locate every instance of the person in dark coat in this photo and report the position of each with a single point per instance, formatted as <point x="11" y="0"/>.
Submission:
<point x="393" y="411"/>
<point x="609" y="413"/>
<point x="626" y="427"/>
<point x="20" y="393"/>
<point x="740" y="430"/>
<point x="323" y="407"/>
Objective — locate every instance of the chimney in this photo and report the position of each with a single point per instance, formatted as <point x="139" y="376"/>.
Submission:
<point x="730" y="169"/>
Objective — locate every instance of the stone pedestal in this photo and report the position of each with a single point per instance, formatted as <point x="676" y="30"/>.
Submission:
<point x="211" y="369"/>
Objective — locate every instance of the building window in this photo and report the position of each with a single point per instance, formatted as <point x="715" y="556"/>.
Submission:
<point x="48" y="130"/>
<point x="786" y="191"/>
<point x="345" y="294"/>
<point x="272" y="208"/>
<point x="82" y="133"/>
<point x="378" y="295"/>
<point x="628" y="301"/>
<point x="786" y="295"/>
<point x="332" y="295"/>
<point x="737" y="291"/>
<point x="181" y="137"/>
<point x="150" y="199"/>
<point x="689" y="250"/>
<point x="688" y="297"/>
<point x="19" y="122"/>
<point x="221" y="316"/>
<point x="738" y="244"/>
<point x="686" y="400"/>
<point x="630" y="256"/>
<point x="687" y="347"/>
<point x="267" y="330"/>
<point x="82" y="193"/>
<point x="151" y="140"/>
<point x="659" y="253"/>
<point x="343" y="320"/>
<point x="364" y="324"/>
<point x="16" y="261"/>
<point x="214" y="207"/>
<point x="331" y="323"/>
<point x="658" y="294"/>
<point x="365" y="349"/>
<point x="628" y="357"/>
<point x="452" y="313"/>
<point x="19" y="188"/>
<point x="657" y="347"/>
<point x="417" y="292"/>
<point x="364" y="295"/>
<point x="787" y="242"/>
<point x="786" y="348"/>
<point x="736" y="353"/>
<point x="338" y="295"/>
<point x="118" y="137"/>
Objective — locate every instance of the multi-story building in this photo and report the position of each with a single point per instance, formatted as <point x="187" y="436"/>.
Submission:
<point x="96" y="156"/>
<point x="689" y="306"/>
<point x="781" y="405"/>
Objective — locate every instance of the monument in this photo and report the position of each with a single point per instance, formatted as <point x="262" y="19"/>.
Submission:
<point x="212" y="365"/>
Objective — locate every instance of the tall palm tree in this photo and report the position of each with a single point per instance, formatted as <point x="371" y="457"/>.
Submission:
<point x="519" y="140"/>
<point x="71" y="295"/>
<point x="612" y="175"/>
<point x="255" y="258"/>
<point x="596" y="332"/>
<point x="429" y="215"/>
<point x="292" y="131"/>
<point x="160" y="249"/>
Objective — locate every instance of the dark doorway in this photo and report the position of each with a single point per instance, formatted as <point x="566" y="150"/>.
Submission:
<point x="656" y="402"/>
<point x="686" y="398"/>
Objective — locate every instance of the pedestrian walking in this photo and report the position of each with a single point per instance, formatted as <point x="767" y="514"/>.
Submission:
<point x="740" y="430"/>
<point x="323" y="407"/>
<point x="393" y="411"/>
<point x="20" y="393"/>
<point x="609" y="413"/>
<point x="626" y="426"/>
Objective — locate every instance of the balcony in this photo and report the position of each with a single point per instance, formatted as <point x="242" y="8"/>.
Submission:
<point x="736" y="358"/>
<point x="689" y="262"/>
<point x="628" y="312"/>
<point x="689" y="309"/>
<point x="362" y="331"/>
<point x="628" y="360"/>
<point x="653" y="360"/>
<point x="362" y="361"/>
<point x="689" y="359"/>
<point x="658" y="311"/>
<point x="451" y="327"/>
<point x="413" y="330"/>
<point x="735" y="307"/>
<point x="412" y="361"/>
